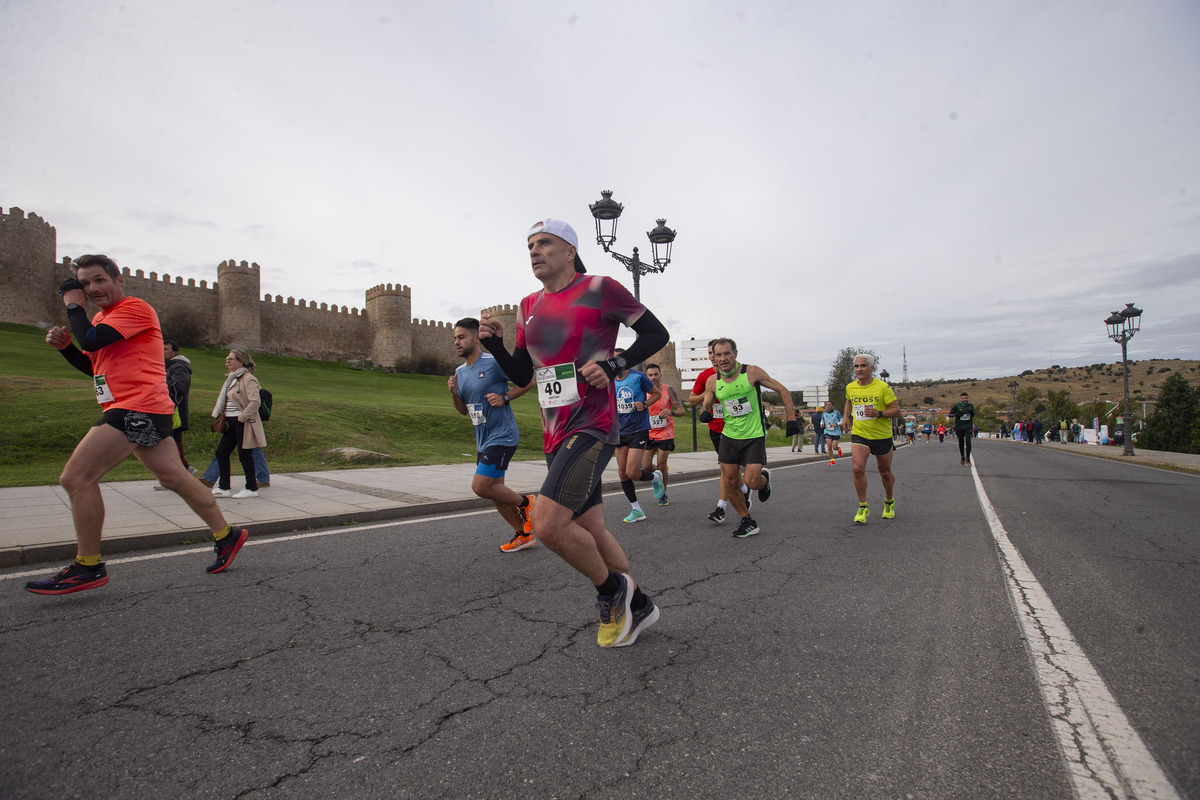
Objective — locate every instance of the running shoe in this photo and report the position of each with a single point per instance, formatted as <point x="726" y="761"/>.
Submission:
<point x="642" y="618"/>
<point x="193" y="471"/>
<point x="662" y="501"/>
<point x="962" y="462"/>
<point x="73" y="578"/>
<point x="717" y="515"/>
<point x="219" y="492"/>
<point x="615" y="618"/>
<point x="519" y="542"/>
<point x="227" y="549"/>
<point x="656" y="483"/>
<point x="245" y="493"/>
<point x="863" y="511"/>
<point x="764" y="494"/>
<point x="526" y="522"/>
<point x="968" y="462"/>
<point x="889" y="509"/>
<point x="748" y="498"/>
<point x="839" y="452"/>
<point x="635" y="516"/>
<point x="747" y="527"/>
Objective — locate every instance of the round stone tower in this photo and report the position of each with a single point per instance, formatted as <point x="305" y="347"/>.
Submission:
<point x="389" y="314"/>
<point x="29" y="276"/>
<point x="506" y="315"/>
<point x="239" y="315"/>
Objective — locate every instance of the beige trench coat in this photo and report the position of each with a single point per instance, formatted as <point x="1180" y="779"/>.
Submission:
<point x="244" y="394"/>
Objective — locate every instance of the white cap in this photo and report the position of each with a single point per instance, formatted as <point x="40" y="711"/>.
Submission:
<point x="557" y="227"/>
<point x="563" y="231"/>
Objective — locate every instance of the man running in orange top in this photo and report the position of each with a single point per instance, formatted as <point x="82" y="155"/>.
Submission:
<point x="122" y="351"/>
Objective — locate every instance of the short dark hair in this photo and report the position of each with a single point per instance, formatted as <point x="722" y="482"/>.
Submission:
<point x="169" y="343"/>
<point x="653" y="366"/>
<point x="470" y="323"/>
<point x="93" y="260"/>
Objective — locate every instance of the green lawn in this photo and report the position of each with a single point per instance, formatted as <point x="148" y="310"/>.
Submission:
<point x="318" y="405"/>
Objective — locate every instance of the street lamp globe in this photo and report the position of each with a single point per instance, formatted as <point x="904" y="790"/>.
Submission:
<point x="1116" y="326"/>
<point x="1132" y="317"/>
<point x="661" y="236"/>
<point x="606" y="212"/>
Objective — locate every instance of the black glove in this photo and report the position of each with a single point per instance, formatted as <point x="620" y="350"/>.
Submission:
<point x="706" y="416"/>
<point x="68" y="285"/>
<point x="793" y="428"/>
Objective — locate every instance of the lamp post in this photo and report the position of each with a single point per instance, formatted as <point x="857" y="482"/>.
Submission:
<point x="1122" y="325"/>
<point x="606" y="212"/>
<point x="1012" y="388"/>
<point x="883" y="375"/>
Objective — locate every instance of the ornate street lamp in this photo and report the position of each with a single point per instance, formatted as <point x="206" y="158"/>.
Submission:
<point x="1012" y="387"/>
<point x="883" y="375"/>
<point x="1122" y="325"/>
<point x="606" y="212"/>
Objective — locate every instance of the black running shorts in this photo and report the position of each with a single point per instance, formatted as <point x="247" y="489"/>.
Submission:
<point x="576" y="471"/>
<point x="138" y="426"/>
<point x="742" y="451"/>
<point x="879" y="447"/>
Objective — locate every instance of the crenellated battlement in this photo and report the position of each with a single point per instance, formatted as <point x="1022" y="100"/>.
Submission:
<point x="233" y="311"/>
<point x="388" y="290"/>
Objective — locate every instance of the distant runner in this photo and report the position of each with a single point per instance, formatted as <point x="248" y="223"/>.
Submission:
<point x="870" y="403"/>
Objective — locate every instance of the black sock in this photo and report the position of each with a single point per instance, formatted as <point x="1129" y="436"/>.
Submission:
<point x="610" y="586"/>
<point x="630" y="491"/>
<point x="524" y="502"/>
<point x="639" y="600"/>
<point x="646" y="475"/>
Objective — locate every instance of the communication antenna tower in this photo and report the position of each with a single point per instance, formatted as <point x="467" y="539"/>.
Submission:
<point x="904" y="350"/>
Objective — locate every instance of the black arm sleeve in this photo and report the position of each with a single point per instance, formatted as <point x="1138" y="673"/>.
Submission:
<point x="652" y="336"/>
<point x="77" y="359"/>
<point x="517" y="366"/>
<point x="90" y="338"/>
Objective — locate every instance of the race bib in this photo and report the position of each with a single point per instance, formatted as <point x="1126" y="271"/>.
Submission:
<point x="860" y="410"/>
<point x="718" y="411"/>
<point x="475" y="412"/>
<point x="658" y="423"/>
<point x="624" y="405"/>
<point x="103" y="393"/>
<point x="964" y="417"/>
<point x="739" y="407"/>
<point x="557" y="386"/>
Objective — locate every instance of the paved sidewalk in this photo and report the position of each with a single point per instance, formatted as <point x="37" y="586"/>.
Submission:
<point x="35" y="521"/>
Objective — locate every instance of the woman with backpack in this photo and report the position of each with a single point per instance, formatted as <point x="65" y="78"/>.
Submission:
<point x="236" y="418"/>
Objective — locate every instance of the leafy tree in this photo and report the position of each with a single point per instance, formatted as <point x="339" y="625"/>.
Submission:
<point x="1028" y="395"/>
<point x="841" y="372"/>
<point x="1061" y="406"/>
<point x="1171" y="425"/>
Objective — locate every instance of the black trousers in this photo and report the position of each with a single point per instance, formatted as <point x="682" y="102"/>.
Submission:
<point x="231" y="440"/>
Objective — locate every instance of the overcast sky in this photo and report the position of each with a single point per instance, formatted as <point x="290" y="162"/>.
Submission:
<point x="981" y="182"/>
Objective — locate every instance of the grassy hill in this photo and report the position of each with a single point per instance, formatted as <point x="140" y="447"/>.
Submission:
<point x="318" y="405"/>
<point x="1086" y="384"/>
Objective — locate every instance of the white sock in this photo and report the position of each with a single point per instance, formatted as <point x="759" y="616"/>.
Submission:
<point x="637" y="506"/>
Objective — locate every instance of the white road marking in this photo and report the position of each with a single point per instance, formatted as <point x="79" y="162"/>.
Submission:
<point x="1104" y="755"/>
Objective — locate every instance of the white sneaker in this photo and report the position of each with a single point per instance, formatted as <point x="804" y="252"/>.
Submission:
<point x="244" y="493"/>
<point x="219" y="492"/>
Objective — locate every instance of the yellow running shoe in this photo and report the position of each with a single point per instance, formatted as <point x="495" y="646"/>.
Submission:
<point x="863" y="511"/>
<point x="615" y="618"/>
<point x="889" y="509"/>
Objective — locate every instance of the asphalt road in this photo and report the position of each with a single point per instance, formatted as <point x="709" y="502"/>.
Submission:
<point x="819" y="659"/>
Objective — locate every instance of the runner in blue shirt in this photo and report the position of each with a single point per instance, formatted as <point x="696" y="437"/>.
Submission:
<point x="480" y="391"/>
<point x="635" y="393"/>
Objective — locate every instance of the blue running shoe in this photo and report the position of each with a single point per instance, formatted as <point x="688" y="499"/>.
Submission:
<point x="635" y="516"/>
<point x="73" y="578"/>
<point x="656" y="483"/>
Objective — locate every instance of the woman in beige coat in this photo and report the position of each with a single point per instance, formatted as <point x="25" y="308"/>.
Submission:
<point x="238" y="405"/>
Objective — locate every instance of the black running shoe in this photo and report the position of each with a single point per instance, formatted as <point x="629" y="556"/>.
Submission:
<point x="642" y="618"/>
<point x="717" y="515"/>
<point x="73" y="578"/>
<point x="747" y="527"/>
<point x="764" y="494"/>
<point x="227" y="549"/>
<point x="748" y="496"/>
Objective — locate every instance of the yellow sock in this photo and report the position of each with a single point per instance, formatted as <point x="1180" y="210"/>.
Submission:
<point x="224" y="532"/>
<point x="88" y="561"/>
